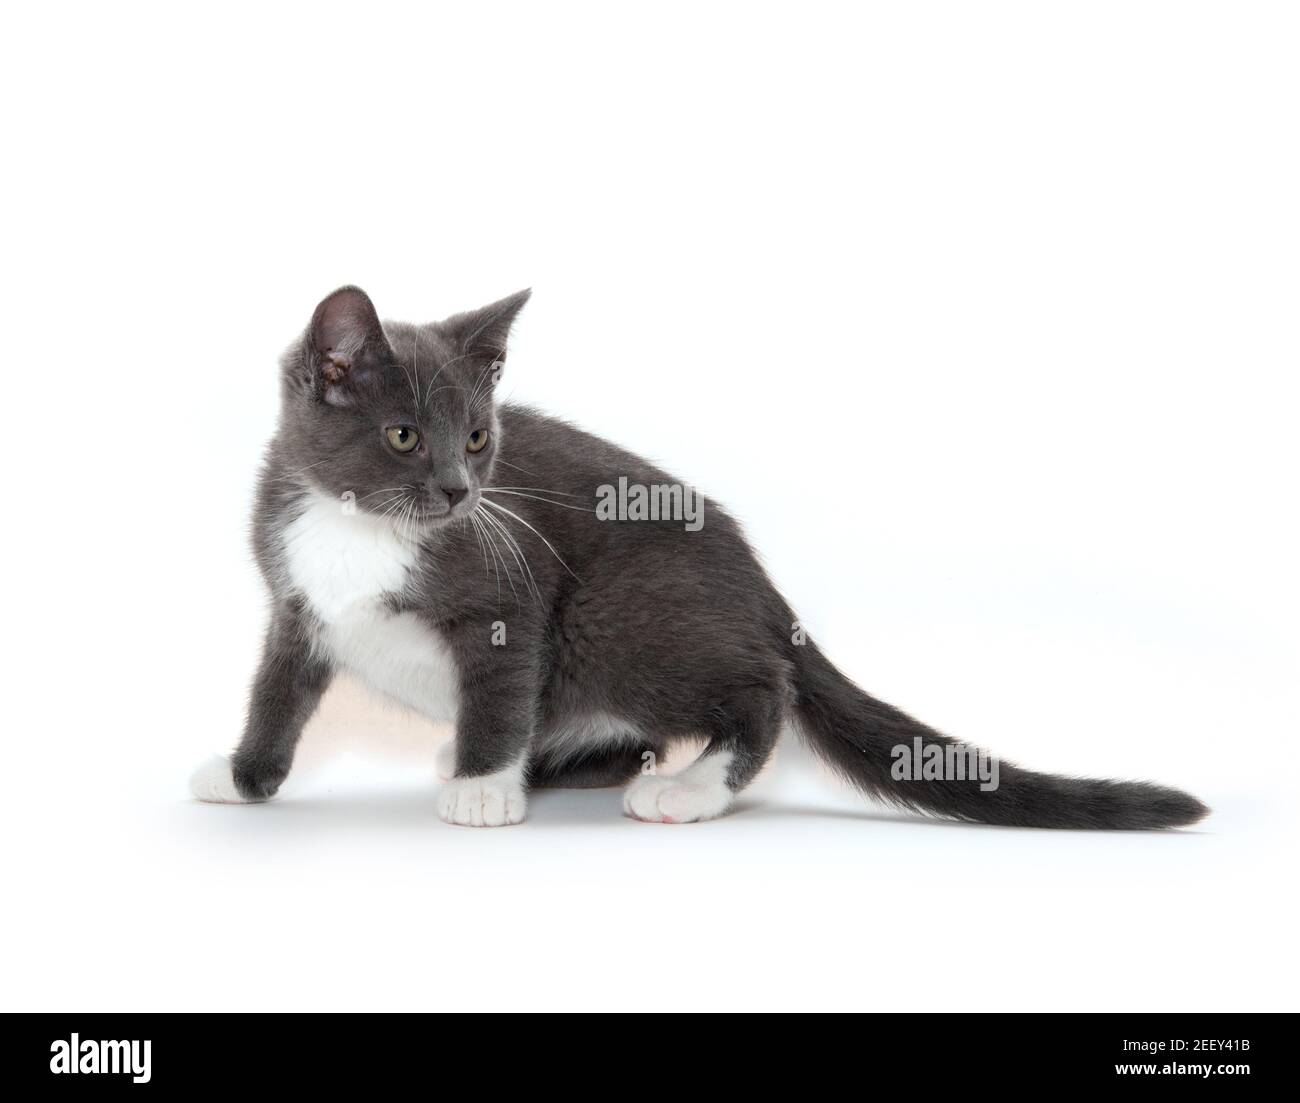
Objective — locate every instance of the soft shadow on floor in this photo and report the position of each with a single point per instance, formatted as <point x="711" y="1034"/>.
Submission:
<point x="875" y="815"/>
<point x="410" y="809"/>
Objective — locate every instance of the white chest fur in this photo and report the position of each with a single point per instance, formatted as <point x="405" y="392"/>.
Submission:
<point x="345" y="565"/>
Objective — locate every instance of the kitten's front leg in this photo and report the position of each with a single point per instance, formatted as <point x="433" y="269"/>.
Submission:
<point x="288" y="686"/>
<point x="498" y="690"/>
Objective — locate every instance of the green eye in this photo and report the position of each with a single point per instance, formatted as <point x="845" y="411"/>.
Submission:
<point x="402" y="437"/>
<point x="477" y="440"/>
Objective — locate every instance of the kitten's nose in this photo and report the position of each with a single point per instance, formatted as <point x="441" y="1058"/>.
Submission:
<point x="455" y="494"/>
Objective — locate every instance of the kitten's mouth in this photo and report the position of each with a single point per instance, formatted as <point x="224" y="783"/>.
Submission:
<point x="427" y="520"/>
<point x="423" y="518"/>
<point x="458" y="512"/>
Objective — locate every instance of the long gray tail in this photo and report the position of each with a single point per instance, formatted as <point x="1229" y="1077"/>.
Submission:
<point x="857" y="736"/>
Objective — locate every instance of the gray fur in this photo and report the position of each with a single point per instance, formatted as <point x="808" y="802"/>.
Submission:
<point x="679" y="634"/>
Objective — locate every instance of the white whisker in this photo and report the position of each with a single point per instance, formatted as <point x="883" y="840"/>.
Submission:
<point x="521" y="560"/>
<point x="545" y="489"/>
<point x="507" y="463"/>
<point x="494" y="525"/>
<point x="510" y="513"/>
<point x="535" y="498"/>
<point x="292" y="475"/>
<point x="478" y="535"/>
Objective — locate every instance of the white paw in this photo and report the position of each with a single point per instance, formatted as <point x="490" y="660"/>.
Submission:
<point x="444" y="760"/>
<point x="699" y="792"/>
<point x="491" y="800"/>
<point x="214" y="782"/>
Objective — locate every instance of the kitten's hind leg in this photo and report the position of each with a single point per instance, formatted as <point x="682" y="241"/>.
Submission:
<point x="736" y="751"/>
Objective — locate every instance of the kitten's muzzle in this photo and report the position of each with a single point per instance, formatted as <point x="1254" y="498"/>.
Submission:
<point x="441" y="502"/>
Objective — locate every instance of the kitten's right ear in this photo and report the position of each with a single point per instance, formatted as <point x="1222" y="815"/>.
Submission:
<point x="345" y="344"/>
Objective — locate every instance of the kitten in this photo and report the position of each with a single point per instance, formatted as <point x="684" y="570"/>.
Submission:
<point x="466" y="559"/>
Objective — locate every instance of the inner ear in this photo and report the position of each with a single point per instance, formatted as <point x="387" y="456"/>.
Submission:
<point x="343" y="323"/>
<point x="346" y="340"/>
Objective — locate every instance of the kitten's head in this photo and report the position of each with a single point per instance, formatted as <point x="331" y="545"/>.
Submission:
<point x="401" y="417"/>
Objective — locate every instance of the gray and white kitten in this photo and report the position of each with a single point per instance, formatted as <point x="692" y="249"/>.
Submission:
<point x="447" y="550"/>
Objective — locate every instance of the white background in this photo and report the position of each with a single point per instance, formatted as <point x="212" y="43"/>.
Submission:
<point x="982" y="318"/>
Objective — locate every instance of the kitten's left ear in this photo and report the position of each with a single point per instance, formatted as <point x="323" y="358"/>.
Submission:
<point x="345" y="344"/>
<point x="483" y="332"/>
